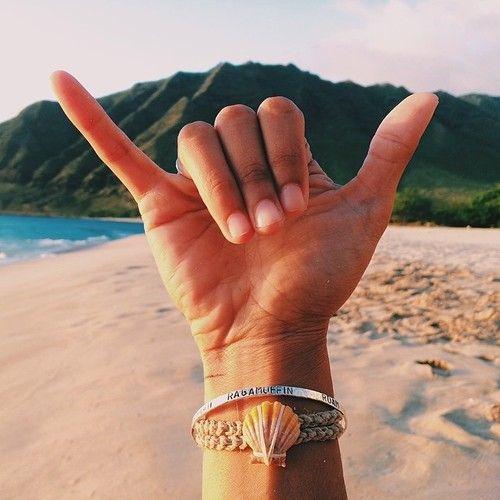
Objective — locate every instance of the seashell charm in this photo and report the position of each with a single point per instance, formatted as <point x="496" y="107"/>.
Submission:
<point x="270" y="429"/>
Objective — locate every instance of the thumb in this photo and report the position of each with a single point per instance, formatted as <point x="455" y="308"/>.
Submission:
<point x="394" y="143"/>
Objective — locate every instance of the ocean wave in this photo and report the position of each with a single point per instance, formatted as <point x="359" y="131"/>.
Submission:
<point x="16" y="250"/>
<point x="29" y="237"/>
<point x="58" y="243"/>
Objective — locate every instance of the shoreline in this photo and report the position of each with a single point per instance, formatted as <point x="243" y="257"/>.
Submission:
<point x="72" y="217"/>
<point x="41" y="237"/>
<point x="466" y="236"/>
<point x="138" y="219"/>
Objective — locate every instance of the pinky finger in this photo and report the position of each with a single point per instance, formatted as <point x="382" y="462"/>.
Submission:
<point x="134" y="168"/>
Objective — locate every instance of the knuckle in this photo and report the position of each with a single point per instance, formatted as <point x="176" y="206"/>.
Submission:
<point x="279" y="105"/>
<point x="235" y="112"/>
<point x="219" y="187"/>
<point x="255" y="173"/>
<point x="118" y="150"/>
<point x="390" y="148"/>
<point x="286" y="160"/>
<point x="194" y="131"/>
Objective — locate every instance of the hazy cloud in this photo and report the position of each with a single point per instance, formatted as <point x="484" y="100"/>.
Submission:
<point x="422" y="44"/>
<point x="425" y="45"/>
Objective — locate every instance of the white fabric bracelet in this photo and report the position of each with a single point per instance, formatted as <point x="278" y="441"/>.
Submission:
<point x="269" y="390"/>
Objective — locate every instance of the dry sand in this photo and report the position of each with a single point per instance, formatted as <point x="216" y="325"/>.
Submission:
<point x="99" y="375"/>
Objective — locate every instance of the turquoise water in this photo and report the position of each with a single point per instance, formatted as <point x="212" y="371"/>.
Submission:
<point x="28" y="237"/>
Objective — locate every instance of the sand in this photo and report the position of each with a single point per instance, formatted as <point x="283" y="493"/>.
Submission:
<point x="99" y="375"/>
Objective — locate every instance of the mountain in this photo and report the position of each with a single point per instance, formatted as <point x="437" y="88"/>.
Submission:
<point x="489" y="104"/>
<point x="46" y="166"/>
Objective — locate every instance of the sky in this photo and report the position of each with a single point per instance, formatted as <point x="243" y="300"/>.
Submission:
<point x="428" y="45"/>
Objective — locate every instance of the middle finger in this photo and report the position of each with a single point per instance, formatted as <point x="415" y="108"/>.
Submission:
<point x="239" y="132"/>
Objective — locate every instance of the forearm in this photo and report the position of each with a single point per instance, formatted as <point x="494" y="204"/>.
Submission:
<point x="313" y="470"/>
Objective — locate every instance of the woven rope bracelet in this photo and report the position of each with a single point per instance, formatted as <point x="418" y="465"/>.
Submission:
<point x="228" y="435"/>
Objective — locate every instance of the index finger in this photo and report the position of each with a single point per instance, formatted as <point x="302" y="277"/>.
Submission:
<point x="133" y="167"/>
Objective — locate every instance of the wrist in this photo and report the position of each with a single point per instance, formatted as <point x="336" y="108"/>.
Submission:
<point x="298" y="359"/>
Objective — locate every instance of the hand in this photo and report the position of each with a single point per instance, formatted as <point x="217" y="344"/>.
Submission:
<point x="256" y="245"/>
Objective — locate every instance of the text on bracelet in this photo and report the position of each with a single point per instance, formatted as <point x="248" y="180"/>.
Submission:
<point x="256" y="391"/>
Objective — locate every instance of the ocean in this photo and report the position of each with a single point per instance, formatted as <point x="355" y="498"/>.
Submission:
<point x="31" y="237"/>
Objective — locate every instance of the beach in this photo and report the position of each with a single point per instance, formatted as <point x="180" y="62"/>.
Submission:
<point x="100" y="375"/>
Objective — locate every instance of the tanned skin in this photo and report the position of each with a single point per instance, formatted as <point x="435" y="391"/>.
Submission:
<point x="258" y="248"/>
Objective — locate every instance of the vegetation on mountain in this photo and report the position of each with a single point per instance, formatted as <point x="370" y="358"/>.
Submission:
<point x="443" y="208"/>
<point x="47" y="167"/>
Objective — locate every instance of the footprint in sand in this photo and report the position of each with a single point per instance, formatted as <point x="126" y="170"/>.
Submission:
<point x="479" y="427"/>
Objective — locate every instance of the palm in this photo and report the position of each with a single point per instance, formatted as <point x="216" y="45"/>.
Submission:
<point x="299" y="275"/>
<point x="225" y="289"/>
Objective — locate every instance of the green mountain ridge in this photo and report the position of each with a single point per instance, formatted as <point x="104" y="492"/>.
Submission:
<point x="47" y="167"/>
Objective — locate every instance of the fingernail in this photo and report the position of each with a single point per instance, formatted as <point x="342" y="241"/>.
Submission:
<point x="292" y="198"/>
<point x="266" y="214"/>
<point x="238" y="225"/>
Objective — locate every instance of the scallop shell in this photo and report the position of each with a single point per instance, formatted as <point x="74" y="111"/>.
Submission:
<point x="270" y="429"/>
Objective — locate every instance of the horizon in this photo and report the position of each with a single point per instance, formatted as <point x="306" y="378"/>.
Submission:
<point x="423" y="45"/>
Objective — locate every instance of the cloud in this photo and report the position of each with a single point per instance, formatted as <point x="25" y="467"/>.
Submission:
<point x="424" y="45"/>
